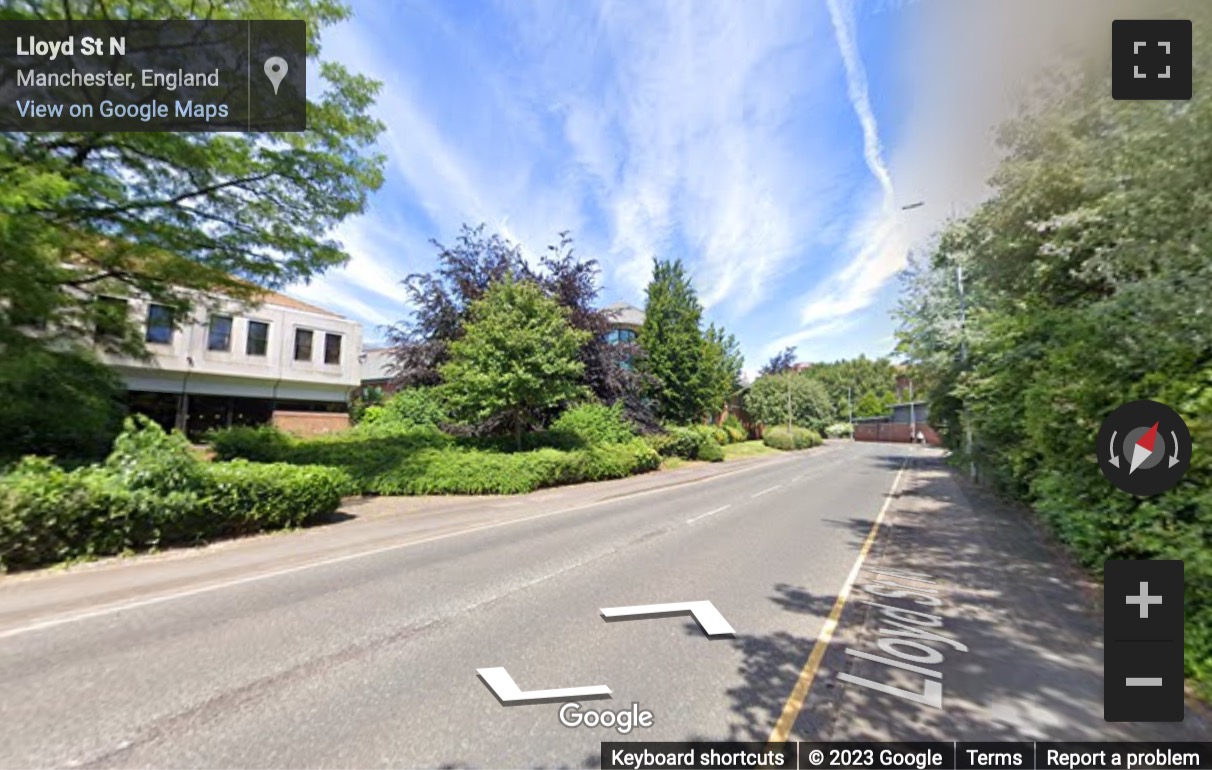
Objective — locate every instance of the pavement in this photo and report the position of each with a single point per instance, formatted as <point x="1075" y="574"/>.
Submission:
<point x="357" y="644"/>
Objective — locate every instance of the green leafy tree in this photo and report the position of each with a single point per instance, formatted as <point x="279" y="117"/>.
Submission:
<point x="870" y="405"/>
<point x="57" y="403"/>
<point x="848" y="380"/>
<point x="672" y="340"/>
<point x="518" y="356"/>
<point x="723" y="364"/>
<point x="1086" y="283"/>
<point x="767" y="401"/>
<point x="169" y="215"/>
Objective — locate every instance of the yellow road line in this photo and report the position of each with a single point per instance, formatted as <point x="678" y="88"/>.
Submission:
<point x="799" y="693"/>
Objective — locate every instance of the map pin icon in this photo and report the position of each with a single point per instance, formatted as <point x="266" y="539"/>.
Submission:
<point x="275" y="70"/>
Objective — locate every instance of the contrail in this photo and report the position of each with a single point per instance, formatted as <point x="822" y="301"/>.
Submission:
<point x="856" y="86"/>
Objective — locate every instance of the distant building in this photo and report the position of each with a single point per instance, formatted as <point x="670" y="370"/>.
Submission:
<point x="625" y="322"/>
<point x="901" y="424"/>
<point x="281" y="361"/>
<point x="377" y="370"/>
<point x="378" y="364"/>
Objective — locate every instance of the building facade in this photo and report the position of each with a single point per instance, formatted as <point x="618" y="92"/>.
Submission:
<point x="281" y="361"/>
<point x="625" y="322"/>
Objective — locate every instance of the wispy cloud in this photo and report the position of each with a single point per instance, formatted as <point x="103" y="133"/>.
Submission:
<point x="719" y="132"/>
<point x="877" y="240"/>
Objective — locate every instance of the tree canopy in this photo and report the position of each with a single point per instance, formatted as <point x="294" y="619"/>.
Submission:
<point x="770" y="395"/>
<point x="780" y="362"/>
<point x="672" y="339"/>
<point x="1086" y="281"/>
<point x="441" y="302"/>
<point x="170" y="214"/>
<point x="518" y="355"/>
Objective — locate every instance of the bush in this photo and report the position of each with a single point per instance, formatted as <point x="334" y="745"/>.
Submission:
<point x="677" y="442"/>
<point x="152" y="491"/>
<point x="458" y="470"/>
<point x="263" y="443"/>
<point x="733" y="425"/>
<point x="591" y="425"/>
<point x="247" y="497"/>
<point x="410" y="408"/>
<point x="840" y="430"/>
<point x="710" y="451"/>
<point x="799" y="438"/>
<point x="736" y="431"/>
<point x="63" y="404"/>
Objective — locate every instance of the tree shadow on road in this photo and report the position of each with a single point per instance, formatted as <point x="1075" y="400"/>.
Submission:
<point x="1033" y="665"/>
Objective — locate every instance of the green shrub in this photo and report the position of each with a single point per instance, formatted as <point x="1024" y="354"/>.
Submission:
<point x="590" y="425"/>
<point x="710" y="451"/>
<point x="64" y="404"/>
<point x="263" y="443"/>
<point x="736" y="430"/>
<point x="840" y="430"/>
<point x="145" y="457"/>
<point x="777" y="437"/>
<point x="459" y="470"/>
<point x="152" y="491"/>
<point x="736" y="434"/>
<point x="678" y="442"/>
<point x="410" y="408"/>
<point x="247" y="497"/>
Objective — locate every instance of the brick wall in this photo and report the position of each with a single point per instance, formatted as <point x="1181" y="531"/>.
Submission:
<point x="895" y="432"/>
<point x="311" y="423"/>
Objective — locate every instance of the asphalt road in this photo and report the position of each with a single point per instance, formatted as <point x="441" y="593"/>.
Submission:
<point x="371" y="661"/>
<point x="332" y="648"/>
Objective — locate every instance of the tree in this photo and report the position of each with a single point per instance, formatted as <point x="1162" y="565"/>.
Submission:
<point x="782" y="361"/>
<point x="723" y="364"/>
<point x="767" y="401"/>
<point x="441" y="301"/>
<point x="672" y="340"/>
<point x="177" y="215"/>
<point x="1086" y="283"/>
<point x="611" y="371"/>
<point x="517" y="356"/>
<point x="870" y="405"/>
<point x="58" y="403"/>
<point x="848" y="380"/>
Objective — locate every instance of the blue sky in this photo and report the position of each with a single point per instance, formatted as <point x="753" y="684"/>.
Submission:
<point x="751" y="139"/>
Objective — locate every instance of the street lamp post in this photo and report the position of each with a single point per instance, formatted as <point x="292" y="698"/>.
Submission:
<point x="850" y="409"/>
<point x="789" y="430"/>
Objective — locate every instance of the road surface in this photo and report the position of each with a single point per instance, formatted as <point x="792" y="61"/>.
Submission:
<point x="357" y="644"/>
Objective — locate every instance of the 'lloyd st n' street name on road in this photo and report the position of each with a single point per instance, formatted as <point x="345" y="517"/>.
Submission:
<point x="910" y="639"/>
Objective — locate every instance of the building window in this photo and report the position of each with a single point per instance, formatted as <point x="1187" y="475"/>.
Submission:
<point x="159" y="324"/>
<point x="110" y="317"/>
<point x="219" y="335"/>
<point x="619" y="336"/>
<point x="332" y="348"/>
<point x="303" y="339"/>
<point x="258" y="338"/>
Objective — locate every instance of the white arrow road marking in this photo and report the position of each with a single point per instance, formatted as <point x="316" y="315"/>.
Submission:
<point x="1174" y="458"/>
<point x="705" y="614"/>
<point x="503" y="686"/>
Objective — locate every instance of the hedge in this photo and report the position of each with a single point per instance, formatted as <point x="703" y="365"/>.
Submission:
<point x="151" y="492"/>
<point x="425" y="461"/>
<point x="777" y="437"/>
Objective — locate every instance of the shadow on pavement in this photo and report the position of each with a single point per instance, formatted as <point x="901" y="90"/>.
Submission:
<point x="1029" y="620"/>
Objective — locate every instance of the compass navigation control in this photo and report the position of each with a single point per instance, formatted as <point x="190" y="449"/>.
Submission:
<point x="1144" y="448"/>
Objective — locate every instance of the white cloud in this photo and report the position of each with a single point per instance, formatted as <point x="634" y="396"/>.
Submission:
<point x="877" y="241"/>
<point x="689" y="145"/>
